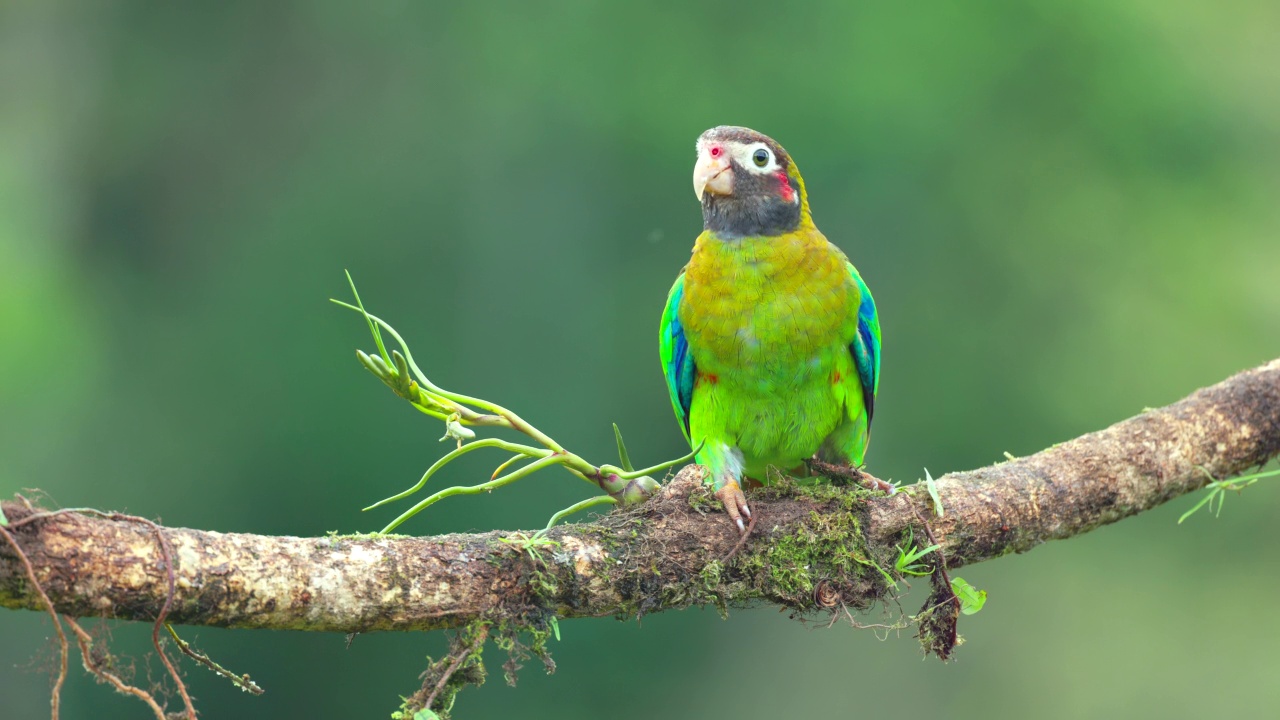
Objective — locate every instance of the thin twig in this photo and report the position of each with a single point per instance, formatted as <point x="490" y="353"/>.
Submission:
<point x="241" y="681"/>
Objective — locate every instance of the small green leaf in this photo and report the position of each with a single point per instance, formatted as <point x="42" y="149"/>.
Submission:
<point x="932" y="487"/>
<point x="368" y="364"/>
<point x="906" y="563"/>
<point x="426" y="714"/>
<point x="373" y="328"/>
<point x="4" y="521"/>
<point x="404" y="380"/>
<point x="402" y="365"/>
<point x="918" y="553"/>
<point x="555" y="623"/>
<point x="623" y="458"/>
<point x="380" y="368"/>
<point x="971" y="598"/>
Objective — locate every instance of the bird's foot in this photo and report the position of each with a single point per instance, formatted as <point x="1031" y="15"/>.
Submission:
<point x="871" y="482"/>
<point x="852" y="474"/>
<point x="735" y="503"/>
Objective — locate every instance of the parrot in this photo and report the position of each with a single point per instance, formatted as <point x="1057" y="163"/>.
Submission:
<point x="770" y="339"/>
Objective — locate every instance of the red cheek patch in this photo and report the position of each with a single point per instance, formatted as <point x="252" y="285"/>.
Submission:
<point x="784" y="186"/>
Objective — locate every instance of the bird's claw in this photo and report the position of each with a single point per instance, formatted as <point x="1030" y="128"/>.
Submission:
<point x="735" y="503"/>
<point x="850" y="473"/>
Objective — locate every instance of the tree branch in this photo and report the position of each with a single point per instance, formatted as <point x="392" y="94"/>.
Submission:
<point x="664" y="554"/>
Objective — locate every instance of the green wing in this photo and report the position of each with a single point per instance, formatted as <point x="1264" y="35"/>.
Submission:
<point x="866" y="346"/>
<point x="677" y="362"/>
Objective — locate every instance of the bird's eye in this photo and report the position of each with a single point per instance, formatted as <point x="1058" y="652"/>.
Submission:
<point x="760" y="157"/>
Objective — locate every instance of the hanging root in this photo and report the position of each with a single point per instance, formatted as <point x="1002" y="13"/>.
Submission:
<point x="55" y="699"/>
<point x="441" y="681"/>
<point x="97" y="661"/>
<point x="939" y="619"/>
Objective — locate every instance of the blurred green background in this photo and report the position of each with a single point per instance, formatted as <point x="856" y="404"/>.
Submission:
<point x="1067" y="212"/>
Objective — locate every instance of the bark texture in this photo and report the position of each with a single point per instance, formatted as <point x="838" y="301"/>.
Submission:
<point x="811" y="548"/>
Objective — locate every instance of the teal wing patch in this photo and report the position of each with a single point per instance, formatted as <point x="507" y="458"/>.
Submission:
<point x="677" y="362"/>
<point x="866" y="346"/>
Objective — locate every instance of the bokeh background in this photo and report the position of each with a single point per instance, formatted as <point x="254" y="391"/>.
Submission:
<point x="1067" y="212"/>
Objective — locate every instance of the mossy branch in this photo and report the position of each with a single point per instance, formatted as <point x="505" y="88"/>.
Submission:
<point x="815" y="549"/>
<point x="614" y="566"/>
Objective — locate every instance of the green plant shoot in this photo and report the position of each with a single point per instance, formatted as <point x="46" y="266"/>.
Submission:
<point x="398" y="370"/>
<point x="932" y="487"/>
<point x="908" y="562"/>
<point x="1217" y="491"/>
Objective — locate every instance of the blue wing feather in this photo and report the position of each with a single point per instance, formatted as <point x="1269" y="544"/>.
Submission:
<point x="677" y="362"/>
<point x="866" y="346"/>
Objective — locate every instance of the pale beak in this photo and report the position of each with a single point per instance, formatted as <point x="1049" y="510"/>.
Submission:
<point x="712" y="174"/>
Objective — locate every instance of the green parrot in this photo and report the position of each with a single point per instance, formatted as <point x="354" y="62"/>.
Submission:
<point x="770" y="339"/>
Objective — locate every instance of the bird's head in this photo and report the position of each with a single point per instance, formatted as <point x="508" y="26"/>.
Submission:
<point x="747" y="184"/>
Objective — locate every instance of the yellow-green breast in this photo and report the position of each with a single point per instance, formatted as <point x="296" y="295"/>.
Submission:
<point x="769" y="321"/>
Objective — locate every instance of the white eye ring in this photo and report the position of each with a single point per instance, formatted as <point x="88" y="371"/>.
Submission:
<point x="749" y="153"/>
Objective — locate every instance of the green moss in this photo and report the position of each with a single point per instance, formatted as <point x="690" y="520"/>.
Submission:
<point x="608" y="539"/>
<point x="703" y="500"/>
<point x="937" y="622"/>
<point x="334" y="539"/>
<point x="509" y="638"/>
<point x="845" y="497"/>
<point x="710" y="590"/>
<point x="829" y="547"/>
<point x="711" y="575"/>
<point x="469" y="670"/>
<point x="544" y="585"/>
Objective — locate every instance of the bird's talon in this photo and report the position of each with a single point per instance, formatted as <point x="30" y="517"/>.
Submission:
<point x="735" y="503"/>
